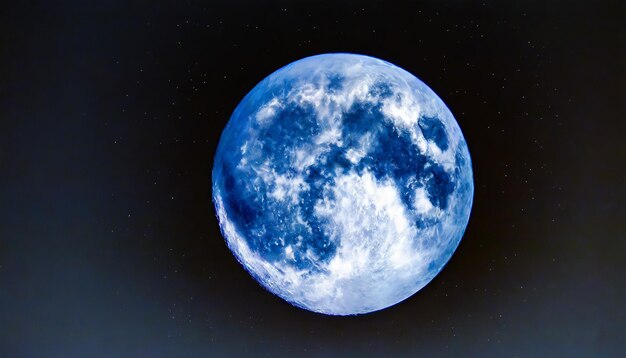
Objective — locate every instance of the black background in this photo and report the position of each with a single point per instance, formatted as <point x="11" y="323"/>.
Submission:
<point x="110" y="113"/>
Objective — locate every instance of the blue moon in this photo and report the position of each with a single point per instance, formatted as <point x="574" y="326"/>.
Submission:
<point x="342" y="183"/>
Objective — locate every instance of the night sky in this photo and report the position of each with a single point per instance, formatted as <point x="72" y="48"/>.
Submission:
<point x="110" y="114"/>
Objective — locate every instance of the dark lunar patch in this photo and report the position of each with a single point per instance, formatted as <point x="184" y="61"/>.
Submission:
<point x="336" y="158"/>
<point x="381" y="89"/>
<point x="335" y="83"/>
<point x="238" y="201"/>
<point x="439" y="185"/>
<point x="292" y="127"/>
<point x="433" y="129"/>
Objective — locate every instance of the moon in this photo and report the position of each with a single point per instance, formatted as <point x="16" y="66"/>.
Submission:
<point x="342" y="184"/>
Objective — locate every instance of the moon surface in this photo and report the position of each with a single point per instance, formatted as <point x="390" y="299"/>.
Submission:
<point x="342" y="183"/>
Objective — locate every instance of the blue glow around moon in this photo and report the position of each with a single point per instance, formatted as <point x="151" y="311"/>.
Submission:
<point x="342" y="183"/>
